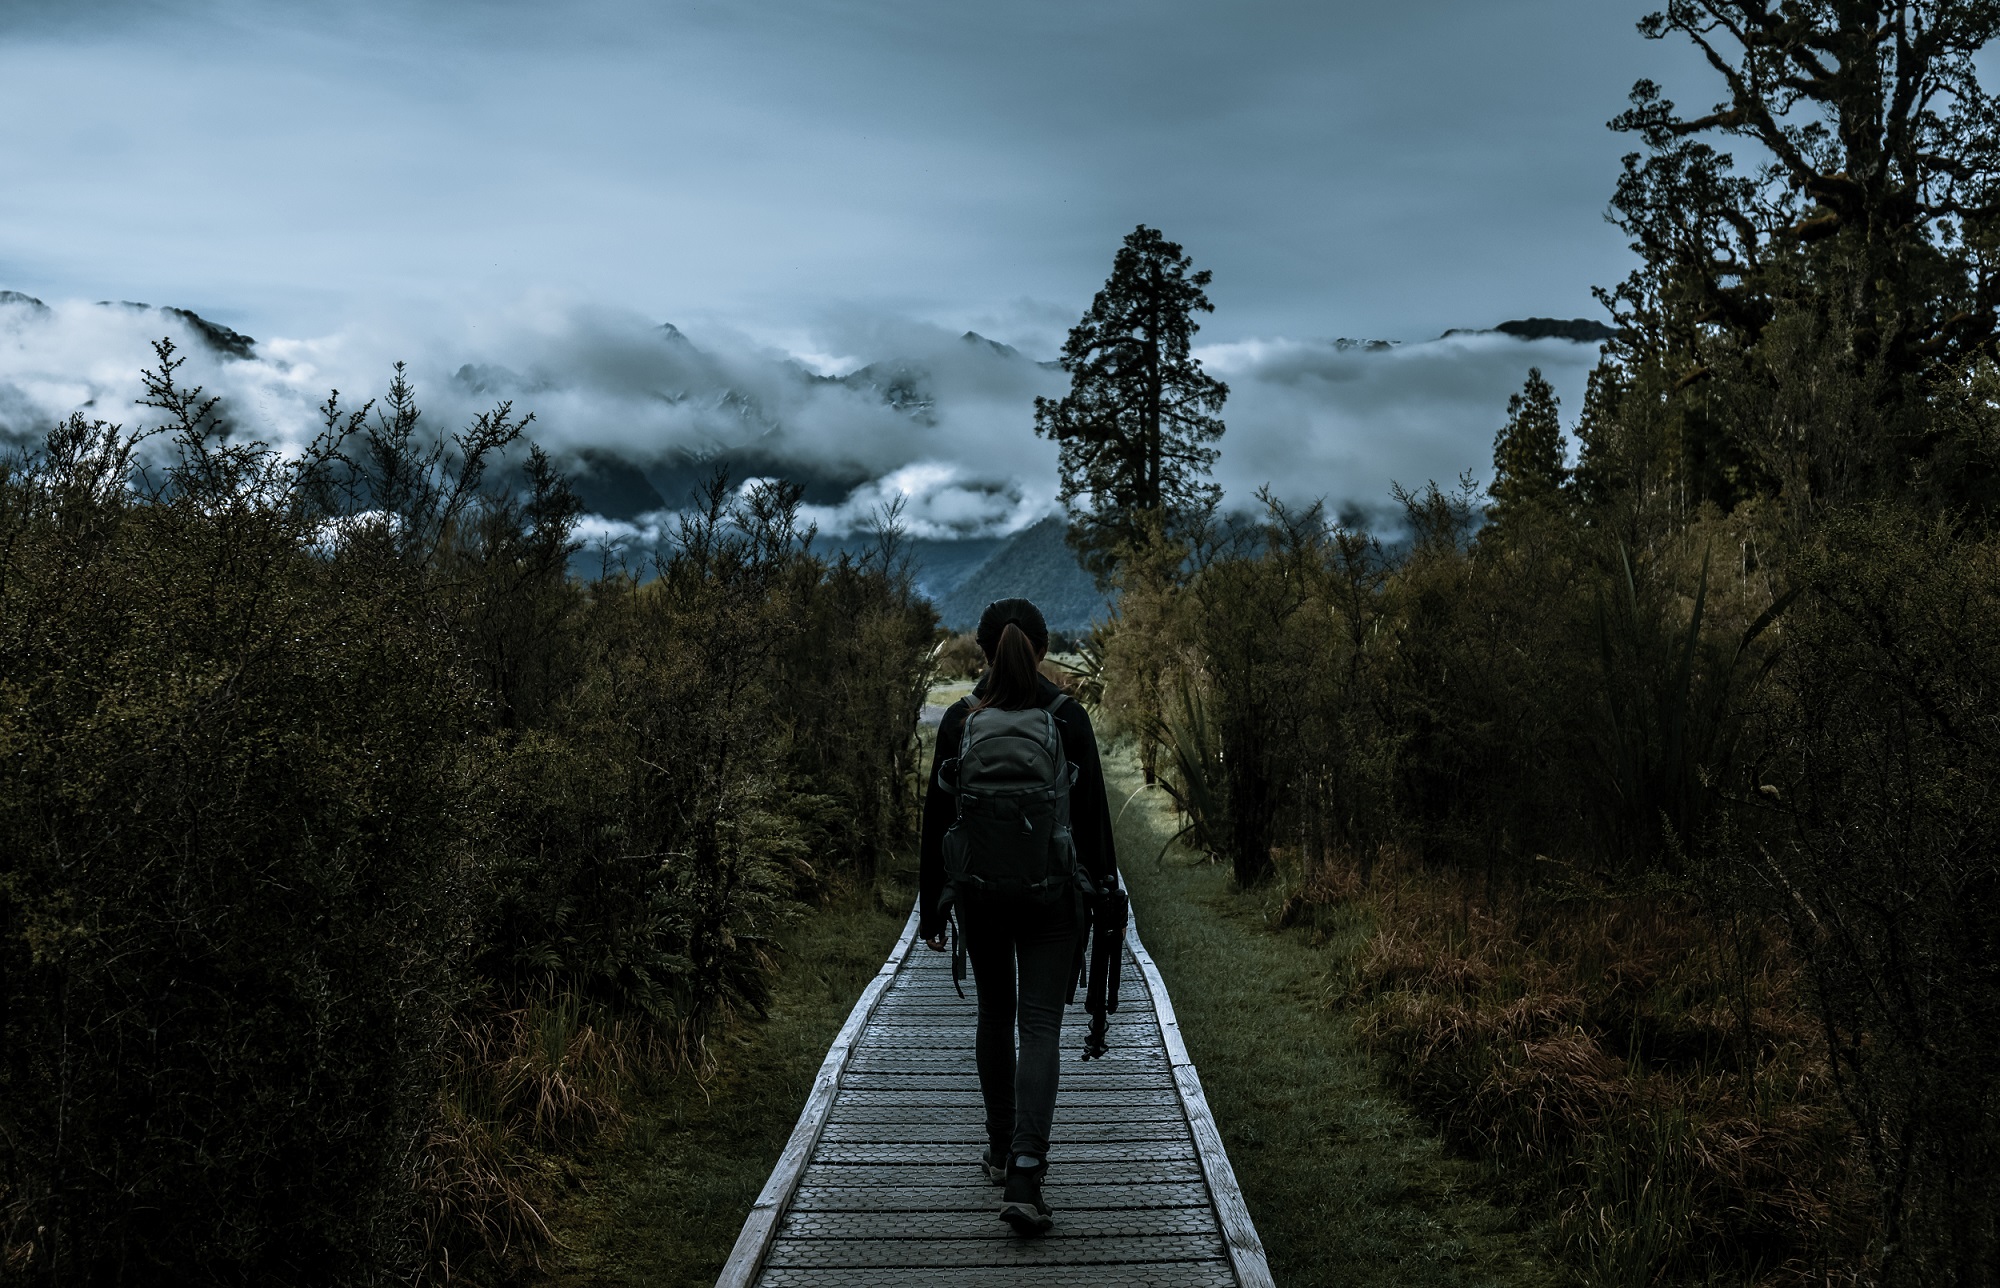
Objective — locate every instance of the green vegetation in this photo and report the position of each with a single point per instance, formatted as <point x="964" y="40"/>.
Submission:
<point x="355" y="860"/>
<point x="1136" y="428"/>
<point x="664" y="1205"/>
<point x="362" y="872"/>
<point x="1345" y="1184"/>
<point x="1666" y="782"/>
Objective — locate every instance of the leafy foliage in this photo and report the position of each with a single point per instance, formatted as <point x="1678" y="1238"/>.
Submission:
<point x="1786" y="324"/>
<point x="353" y="857"/>
<point x="1668" y="788"/>
<point x="1871" y="814"/>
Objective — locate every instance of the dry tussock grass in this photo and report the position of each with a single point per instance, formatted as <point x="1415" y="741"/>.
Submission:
<point x="1663" y="1089"/>
<point x="529" y="1086"/>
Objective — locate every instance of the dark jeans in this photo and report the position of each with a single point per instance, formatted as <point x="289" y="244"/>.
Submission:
<point x="1020" y="1094"/>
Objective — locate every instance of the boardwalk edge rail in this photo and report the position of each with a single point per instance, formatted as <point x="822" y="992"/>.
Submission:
<point x="1239" y="1234"/>
<point x="761" y="1228"/>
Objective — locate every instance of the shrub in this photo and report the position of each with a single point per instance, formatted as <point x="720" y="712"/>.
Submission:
<point x="1873" y="813"/>
<point x="235" y="898"/>
<point x="354" y="859"/>
<point x="959" y="658"/>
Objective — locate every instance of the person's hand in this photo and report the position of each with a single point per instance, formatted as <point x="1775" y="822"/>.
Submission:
<point x="936" y="942"/>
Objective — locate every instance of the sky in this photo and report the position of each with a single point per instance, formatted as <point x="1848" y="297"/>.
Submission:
<point x="830" y="183"/>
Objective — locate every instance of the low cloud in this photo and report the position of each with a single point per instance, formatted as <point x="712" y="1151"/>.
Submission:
<point x="1341" y="421"/>
<point x="871" y="412"/>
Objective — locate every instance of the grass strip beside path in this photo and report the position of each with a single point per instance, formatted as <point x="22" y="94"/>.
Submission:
<point x="1345" y="1184"/>
<point x="1347" y="1187"/>
<point x="663" y="1207"/>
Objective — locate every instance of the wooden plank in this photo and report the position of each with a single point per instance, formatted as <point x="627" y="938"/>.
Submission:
<point x="948" y="1007"/>
<point x="1213" y="1273"/>
<point x="935" y="1172"/>
<point x="945" y="1036"/>
<point x="933" y="1078"/>
<point x="883" y="1049"/>
<point x="902" y="1006"/>
<point x="1245" y="1249"/>
<point x="1066" y="1115"/>
<point x="1125" y="1059"/>
<point x="931" y="1083"/>
<point x="977" y="1196"/>
<point x="969" y="1132"/>
<point x="1073" y="1097"/>
<point x="1154" y="1071"/>
<point x="1084" y="1152"/>
<point x="754" y="1242"/>
<point x="923" y="1002"/>
<point x="1077" y="1224"/>
<point x="1048" y="1250"/>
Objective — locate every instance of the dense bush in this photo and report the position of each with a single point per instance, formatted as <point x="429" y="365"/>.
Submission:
<point x="353" y="856"/>
<point x="1677" y="832"/>
<point x="1667" y="780"/>
<point x="1872" y="814"/>
<point x="959" y="658"/>
<point x="236" y="881"/>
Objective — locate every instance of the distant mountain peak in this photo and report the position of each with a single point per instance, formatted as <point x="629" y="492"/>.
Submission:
<point x="26" y="301"/>
<point x="1035" y="563"/>
<point x="224" y="340"/>
<point x="1004" y="350"/>
<point x="1579" y="330"/>
<point x="220" y="338"/>
<point x="901" y="384"/>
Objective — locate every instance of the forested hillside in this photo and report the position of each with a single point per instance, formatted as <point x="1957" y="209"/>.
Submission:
<point x="355" y="859"/>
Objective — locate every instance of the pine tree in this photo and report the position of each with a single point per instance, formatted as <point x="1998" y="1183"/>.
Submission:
<point x="1604" y="469"/>
<point x="1528" y="468"/>
<point x="1136" y="425"/>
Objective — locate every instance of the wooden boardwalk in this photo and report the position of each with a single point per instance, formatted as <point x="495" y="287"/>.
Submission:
<point x="881" y="1184"/>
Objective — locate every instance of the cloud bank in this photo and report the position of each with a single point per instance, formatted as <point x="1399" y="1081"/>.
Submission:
<point x="867" y="411"/>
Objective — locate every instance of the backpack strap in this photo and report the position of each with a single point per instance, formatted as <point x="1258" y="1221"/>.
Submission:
<point x="1055" y="705"/>
<point x="950" y="783"/>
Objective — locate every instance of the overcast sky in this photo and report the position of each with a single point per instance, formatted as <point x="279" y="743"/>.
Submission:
<point x="1345" y="167"/>
<point x="820" y="176"/>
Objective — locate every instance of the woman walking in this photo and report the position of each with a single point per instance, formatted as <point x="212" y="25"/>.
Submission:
<point x="1016" y="836"/>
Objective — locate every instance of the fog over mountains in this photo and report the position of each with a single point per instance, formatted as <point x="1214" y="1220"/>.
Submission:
<point x="936" y="419"/>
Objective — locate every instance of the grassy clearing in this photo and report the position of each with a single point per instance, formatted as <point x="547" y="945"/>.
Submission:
<point x="1345" y="1184"/>
<point x="663" y="1207"/>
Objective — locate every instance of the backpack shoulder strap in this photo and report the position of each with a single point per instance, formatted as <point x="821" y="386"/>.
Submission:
<point x="1056" y="728"/>
<point x="946" y="774"/>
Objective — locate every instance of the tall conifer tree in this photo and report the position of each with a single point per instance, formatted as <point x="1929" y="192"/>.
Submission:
<point x="1136" y="425"/>
<point x="1528" y="468"/>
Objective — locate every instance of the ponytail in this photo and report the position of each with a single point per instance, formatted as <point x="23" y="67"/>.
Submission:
<point x="1013" y="635"/>
<point x="1013" y="676"/>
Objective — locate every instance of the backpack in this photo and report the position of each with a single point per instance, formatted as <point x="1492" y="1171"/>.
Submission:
<point x="1011" y="837"/>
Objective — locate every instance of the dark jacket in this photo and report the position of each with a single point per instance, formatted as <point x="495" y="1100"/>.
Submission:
<point x="1089" y="810"/>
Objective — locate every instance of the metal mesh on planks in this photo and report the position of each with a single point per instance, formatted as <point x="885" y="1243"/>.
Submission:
<point x="880" y="1183"/>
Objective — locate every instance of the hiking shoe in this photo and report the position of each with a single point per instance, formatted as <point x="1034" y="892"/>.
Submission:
<point x="994" y="1161"/>
<point x="1021" y="1205"/>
